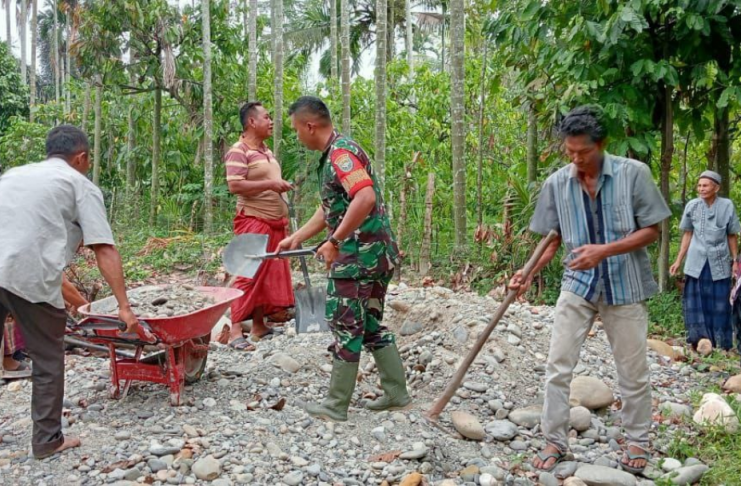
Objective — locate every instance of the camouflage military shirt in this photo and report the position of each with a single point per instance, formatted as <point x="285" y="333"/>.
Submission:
<point x="370" y="250"/>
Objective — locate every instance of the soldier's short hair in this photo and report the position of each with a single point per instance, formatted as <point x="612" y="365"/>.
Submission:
<point x="310" y="105"/>
<point x="65" y="141"/>
<point x="248" y="109"/>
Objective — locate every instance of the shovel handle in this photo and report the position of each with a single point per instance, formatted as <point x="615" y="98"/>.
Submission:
<point x="292" y="253"/>
<point x="434" y="412"/>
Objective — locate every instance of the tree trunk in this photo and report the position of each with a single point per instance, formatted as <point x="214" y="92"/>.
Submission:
<point x="55" y="45"/>
<point x="381" y="38"/>
<point x="333" y="71"/>
<point x="86" y="107"/>
<point x="130" y="147"/>
<point x="32" y="72"/>
<point x="480" y="167"/>
<point x="68" y="64"/>
<point x="683" y="174"/>
<point x="8" y="16"/>
<point x="722" y="148"/>
<point x="278" y="56"/>
<point x="442" y="39"/>
<point x="208" y="162"/>
<point x="424" y="252"/>
<point x="458" y="115"/>
<point x="405" y="187"/>
<point x="156" y="129"/>
<point x="22" y="35"/>
<point x="345" y="48"/>
<point x="409" y="36"/>
<point x="98" y="129"/>
<point x="667" y="151"/>
<point x="252" y="90"/>
<point x="390" y="29"/>
<point x="532" y="143"/>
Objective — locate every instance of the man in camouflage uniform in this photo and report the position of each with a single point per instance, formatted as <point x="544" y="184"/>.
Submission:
<point x="360" y="254"/>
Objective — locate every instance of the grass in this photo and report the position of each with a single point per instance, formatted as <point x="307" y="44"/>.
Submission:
<point x="713" y="446"/>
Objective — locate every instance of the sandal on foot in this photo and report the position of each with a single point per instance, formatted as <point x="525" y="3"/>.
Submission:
<point x="543" y="456"/>
<point x="645" y="455"/>
<point x="272" y="331"/>
<point x="242" y="344"/>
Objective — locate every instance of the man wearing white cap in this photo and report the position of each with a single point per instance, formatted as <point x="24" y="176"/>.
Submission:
<point x="710" y="243"/>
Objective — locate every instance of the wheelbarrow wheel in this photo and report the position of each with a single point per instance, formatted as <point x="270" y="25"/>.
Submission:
<point x="195" y="360"/>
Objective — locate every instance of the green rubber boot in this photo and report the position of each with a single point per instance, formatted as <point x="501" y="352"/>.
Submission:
<point x="393" y="381"/>
<point x="341" y="385"/>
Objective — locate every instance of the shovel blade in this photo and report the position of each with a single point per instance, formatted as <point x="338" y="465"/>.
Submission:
<point x="242" y="255"/>
<point x="310" y="304"/>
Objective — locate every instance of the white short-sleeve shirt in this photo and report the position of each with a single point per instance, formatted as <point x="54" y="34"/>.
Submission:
<point x="46" y="210"/>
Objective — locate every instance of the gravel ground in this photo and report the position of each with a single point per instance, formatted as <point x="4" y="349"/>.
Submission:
<point x="243" y="423"/>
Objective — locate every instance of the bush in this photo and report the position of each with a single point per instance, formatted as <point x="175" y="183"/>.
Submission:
<point x="665" y="314"/>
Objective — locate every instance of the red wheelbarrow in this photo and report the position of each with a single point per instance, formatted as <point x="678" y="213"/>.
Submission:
<point x="181" y="346"/>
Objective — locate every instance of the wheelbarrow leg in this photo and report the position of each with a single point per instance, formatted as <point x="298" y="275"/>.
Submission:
<point x="175" y="376"/>
<point x="115" y="389"/>
<point x="127" y="384"/>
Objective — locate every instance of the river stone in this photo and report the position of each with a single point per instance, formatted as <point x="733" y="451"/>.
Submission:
<point x="467" y="425"/>
<point x="670" y="464"/>
<point x="686" y="475"/>
<point x="714" y="410"/>
<point x="487" y="480"/>
<point x="526" y="417"/>
<point x="580" y="418"/>
<point x="285" y="362"/>
<point x="547" y="479"/>
<point x="207" y="468"/>
<point x="460" y="334"/>
<point x="590" y="392"/>
<point x="604" y="476"/>
<point x="411" y="327"/>
<point x="574" y="481"/>
<point x="293" y="479"/>
<point x="733" y="384"/>
<point x="501" y="429"/>
<point x="663" y="349"/>
<point x="675" y="410"/>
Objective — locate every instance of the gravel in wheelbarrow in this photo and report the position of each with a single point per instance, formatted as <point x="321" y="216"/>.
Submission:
<point x="182" y="339"/>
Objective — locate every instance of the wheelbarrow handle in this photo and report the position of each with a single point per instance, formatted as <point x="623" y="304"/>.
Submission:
<point x="121" y="326"/>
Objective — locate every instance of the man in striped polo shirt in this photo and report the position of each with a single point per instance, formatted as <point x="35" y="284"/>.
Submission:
<point x="607" y="210"/>
<point x="254" y="176"/>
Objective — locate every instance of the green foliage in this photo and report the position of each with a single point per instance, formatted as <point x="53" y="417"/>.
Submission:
<point x="665" y="315"/>
<point x="713" y="446"/>
<point x="22" y="142"/>
<point x="13" y="93"/>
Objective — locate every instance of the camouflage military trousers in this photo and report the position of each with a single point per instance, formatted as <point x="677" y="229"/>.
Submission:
<point x="354" y="312"/>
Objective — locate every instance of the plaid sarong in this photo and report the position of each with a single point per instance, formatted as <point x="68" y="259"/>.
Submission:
<point x="12" y="337"/>
<point x="707" y="309"/>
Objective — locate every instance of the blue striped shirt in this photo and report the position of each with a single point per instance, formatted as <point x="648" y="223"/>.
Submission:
<point x="626" y="200"/>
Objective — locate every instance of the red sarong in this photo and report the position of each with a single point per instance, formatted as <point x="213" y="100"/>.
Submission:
<point x="271" y="287"/>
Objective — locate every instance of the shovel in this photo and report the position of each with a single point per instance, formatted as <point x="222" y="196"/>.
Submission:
<point x="243" y="257"/>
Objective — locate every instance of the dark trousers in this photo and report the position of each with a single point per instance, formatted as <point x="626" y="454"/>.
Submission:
<point x="42" y="327"/>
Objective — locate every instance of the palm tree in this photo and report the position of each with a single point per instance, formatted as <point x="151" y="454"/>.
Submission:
<point x="345" y="44"/>
<point x="32" y="72"/>
<point x="458" y="129"/>
<point x="409" y="44"/>
<point x="333" y="38"/>
<point x="381" y="39"/>
<point x="278" y="60"/>
<point x="252" y="88"/>
<point x="8" y="13"/>
<point x="22" y="23"/>
<point x="208" y="156"/>
<point x="55" y="44"/>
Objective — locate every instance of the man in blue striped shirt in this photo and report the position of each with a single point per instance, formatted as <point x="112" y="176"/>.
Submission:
<point x="607" y="210"/>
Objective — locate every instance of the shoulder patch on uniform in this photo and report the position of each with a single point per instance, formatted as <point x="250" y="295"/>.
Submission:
<point x="344" y="163"/>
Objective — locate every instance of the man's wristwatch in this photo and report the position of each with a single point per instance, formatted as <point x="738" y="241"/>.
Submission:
<point x="335" y="242"/>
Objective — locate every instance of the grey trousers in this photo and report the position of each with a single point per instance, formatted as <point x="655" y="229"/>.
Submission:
<point x="626" y="327"/>
<point x="42" y="326"/>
